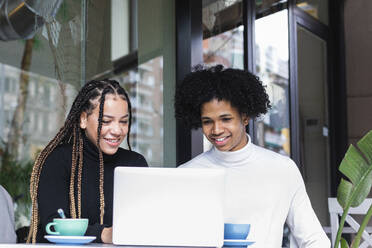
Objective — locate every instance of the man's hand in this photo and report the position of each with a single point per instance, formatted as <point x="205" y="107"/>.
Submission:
<point x="106" y="235"/>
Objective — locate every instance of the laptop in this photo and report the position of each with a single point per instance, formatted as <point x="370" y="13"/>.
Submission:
<point x="168" y="207"/>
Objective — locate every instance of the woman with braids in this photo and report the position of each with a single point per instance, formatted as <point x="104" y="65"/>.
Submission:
<point x="75" y="170"/>
<point x="263" y="188"/>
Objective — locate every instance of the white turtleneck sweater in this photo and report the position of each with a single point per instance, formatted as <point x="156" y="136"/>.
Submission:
<point x="265" y="189"/>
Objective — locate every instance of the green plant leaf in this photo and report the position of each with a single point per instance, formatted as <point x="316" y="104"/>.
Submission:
<point x="353" y="165"/>
<point x="357" y="167"/>
<point x="365" y="145"/>
<point x="344" y="243"/>
<point x="344" y="192"/>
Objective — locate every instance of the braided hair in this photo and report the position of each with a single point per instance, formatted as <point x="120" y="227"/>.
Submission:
<point x="71" y="133"/>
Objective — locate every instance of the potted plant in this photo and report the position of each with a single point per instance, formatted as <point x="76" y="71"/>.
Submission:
<point x="357" y="167"/>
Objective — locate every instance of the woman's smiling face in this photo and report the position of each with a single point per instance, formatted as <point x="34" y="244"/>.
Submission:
<point x="223" y="125"/>
<point x="115" y="122"/>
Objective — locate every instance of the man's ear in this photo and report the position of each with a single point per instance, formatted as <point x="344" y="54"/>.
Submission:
<point x="245" y="119"/>
<point x="83" y="120"/>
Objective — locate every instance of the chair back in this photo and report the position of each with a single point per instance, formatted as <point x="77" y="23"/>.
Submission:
<point x="335" y="211"/>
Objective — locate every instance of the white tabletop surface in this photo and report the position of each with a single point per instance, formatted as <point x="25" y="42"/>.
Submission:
<point x="69" y="246"/>
<point x="40" y="245"/>
<point x="55" y="245"/>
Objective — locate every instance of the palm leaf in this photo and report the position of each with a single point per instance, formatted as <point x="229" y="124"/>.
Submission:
<point x="357" y="167"/>
<point x="344" y="243"/>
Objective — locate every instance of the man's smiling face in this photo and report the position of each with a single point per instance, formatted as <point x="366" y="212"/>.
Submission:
<point x="223" y="125"/>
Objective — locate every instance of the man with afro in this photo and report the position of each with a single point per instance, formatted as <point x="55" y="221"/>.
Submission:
<point x="263" y="188"/>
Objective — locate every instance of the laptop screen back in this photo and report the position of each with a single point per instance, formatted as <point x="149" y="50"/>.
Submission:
<point x="168" y="206"/>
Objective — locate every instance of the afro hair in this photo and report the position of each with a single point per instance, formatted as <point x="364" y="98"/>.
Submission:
<point x="242" y="89"/>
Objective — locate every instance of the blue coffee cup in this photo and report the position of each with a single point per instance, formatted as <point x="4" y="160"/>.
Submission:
<point x="236" y="231"/>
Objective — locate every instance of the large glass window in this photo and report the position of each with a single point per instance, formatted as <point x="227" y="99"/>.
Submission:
<point x="39" y="78"/>
<point x="131" y="41"/>
<point x="271" y="33"/>
<point x="138" y="51"/>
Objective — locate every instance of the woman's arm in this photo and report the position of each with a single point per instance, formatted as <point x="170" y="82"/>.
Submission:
<point x="106" y="235"/>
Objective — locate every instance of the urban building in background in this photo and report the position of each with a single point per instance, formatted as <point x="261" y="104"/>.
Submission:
<point x="47" y="101"/>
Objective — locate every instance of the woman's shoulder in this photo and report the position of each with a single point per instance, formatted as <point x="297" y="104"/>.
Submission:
<point x="58" y="162"/>
<point x="61" y="150"/>
<point x="60" y="154"/>
<point x="131" y="158"/>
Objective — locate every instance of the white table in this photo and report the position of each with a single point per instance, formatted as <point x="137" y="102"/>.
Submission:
<point x="67" y="246"/>
<point x="54" y="245"/>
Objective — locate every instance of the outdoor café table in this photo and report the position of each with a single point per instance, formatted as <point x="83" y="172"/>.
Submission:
<point x="92" y="245"/>
<point x="44" y="245"/>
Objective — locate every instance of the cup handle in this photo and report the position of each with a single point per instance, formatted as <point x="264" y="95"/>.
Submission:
<point x="47" y="228"/>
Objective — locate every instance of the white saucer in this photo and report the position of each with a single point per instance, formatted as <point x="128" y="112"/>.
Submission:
<point x="69" y="239"/>
<point x="237" y="242"/>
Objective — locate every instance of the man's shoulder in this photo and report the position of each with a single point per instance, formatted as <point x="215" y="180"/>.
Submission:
<point x="261" y="153"/>
<point x="276" y="163"/>
<point x="200" y="161"/>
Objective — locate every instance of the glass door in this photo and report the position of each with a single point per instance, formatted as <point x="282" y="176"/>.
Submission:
<point x="313" y="122"/>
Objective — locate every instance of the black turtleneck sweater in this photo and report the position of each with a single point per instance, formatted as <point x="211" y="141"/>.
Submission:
<point x="55" y="181"/>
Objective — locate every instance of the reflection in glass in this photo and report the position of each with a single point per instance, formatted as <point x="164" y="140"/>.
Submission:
<point x="139" y="53"/>
<point x="316" y="8"/>
<point x="39" y="76"/>
<point x="272" y="68"/>
<point x="223" y="38"/>
<point x="226" y="49"/>
<point x="268" y="7"/>
<point x="145" y="89"/>
<point x="46" y="103"/>
<point x="220" y="16"/>
<point x="45" y="109"/>
<point x="57" y="61"/>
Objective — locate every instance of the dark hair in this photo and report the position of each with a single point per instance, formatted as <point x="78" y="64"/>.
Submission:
<point x="242" y="89"/>
<point x="71" y="133"/>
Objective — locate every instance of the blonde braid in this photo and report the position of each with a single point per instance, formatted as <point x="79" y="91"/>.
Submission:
<point x="101" y="167"/>
<point x="101" y="193"/>
<point x="80" y="173"/>
<point x="72" y="178"/>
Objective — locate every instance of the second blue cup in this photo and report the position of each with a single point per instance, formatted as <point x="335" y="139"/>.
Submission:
<point x="236" y="231"/>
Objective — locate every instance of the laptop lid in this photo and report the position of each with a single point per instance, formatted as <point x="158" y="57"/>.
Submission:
<point x="168" y="206"/>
